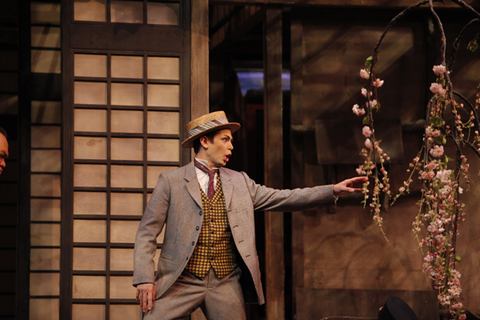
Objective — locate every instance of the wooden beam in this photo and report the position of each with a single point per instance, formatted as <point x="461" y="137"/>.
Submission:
<point x="343" y="3"/>
<point x="273" y="126"/>
<point x="237" y="26"/>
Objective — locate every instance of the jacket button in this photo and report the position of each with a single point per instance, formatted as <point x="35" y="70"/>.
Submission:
<point x="200" y="213"/>
<point x="197" y="228"/>
<point x="193" y="243"/>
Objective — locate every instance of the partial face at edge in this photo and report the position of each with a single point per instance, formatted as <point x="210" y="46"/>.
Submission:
<point x="3" y="152"/>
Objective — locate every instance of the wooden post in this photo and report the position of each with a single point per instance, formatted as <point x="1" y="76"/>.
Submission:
<point x="296" y="147"/>
<point x="199" y="74"/>
<point x="273" y="106"/>
<point x="199" y="58"/>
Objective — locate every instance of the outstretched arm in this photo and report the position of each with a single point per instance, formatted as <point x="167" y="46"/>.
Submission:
<point x="348" y="185"/>
<point x="146" y="295"/>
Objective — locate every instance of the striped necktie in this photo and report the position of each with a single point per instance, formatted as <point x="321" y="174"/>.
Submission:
<point x="211" y="178"/>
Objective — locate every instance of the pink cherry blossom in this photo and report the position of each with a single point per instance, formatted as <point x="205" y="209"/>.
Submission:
<point x="368" y="144"/>
<point x="364" y="74"/>
<point x="445" y="190"/>
<point x="357" y="110"/>
<point x="437" y="151"/>
<point x="367" y="132"/>
<point x="360" y="170"/>
<point x="427" y="175"/>
<point x="439" y="70"/>
<point x="364" y="92"/>
<point x="444" y="176"/>
<point x="435" y="87"/>
<point x="378" y="83"/>
<point x="431" y="166"/>
<point x="429" y="131"/>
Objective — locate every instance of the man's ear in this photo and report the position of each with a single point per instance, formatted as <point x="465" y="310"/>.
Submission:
<point x="204" y="141"/>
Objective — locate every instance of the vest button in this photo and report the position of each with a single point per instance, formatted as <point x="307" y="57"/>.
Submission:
<point x="197" y="228"/>
<point x="193" y="243"/>
<point x="200" y="213"/>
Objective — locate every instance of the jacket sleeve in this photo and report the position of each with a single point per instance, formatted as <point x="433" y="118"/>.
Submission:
<point x="151" y="225"/>
<point x="269" y="199"/>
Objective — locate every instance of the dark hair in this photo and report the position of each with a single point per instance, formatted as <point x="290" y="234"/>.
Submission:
<point x="197" y="144"/>
<point x="2" y="131"/>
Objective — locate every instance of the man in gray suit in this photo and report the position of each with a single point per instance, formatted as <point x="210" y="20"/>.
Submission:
<point x="208" y="258"/>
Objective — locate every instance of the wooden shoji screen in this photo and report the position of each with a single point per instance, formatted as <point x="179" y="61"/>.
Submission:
<point x="126" y="102"/>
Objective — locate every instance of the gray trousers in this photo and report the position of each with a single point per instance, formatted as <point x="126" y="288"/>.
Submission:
<point x="219" y="299"/>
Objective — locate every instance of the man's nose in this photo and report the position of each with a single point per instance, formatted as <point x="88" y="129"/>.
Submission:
<point x="3" y="163"/>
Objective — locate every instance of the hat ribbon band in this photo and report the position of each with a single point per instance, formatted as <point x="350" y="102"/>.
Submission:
<point x="207" y="125"/>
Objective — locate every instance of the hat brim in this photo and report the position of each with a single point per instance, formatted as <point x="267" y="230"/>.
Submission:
<point x="233" y="126"/>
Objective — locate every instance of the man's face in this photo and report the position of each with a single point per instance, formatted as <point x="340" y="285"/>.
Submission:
<point x="219" y="150"/>
<point x="3" y="152"/>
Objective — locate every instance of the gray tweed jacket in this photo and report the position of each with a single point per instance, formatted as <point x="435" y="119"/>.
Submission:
<point x="176" y="205"/>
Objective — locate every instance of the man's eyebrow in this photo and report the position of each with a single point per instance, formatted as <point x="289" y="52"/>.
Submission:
<point x="3" y="154"/>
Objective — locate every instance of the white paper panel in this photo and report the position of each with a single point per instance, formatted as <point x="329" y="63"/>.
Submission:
<point x="90" y="65"/>
<point x="163" y="95"/>
<point x="89" y="287"/>
<point x="126" y="204"/>
<point x="89" y="10"/>
<point x="89" y="231"/>
<point x="89" y="203"/>
<point x="127" y="121"/>
<point x="163" y="68"/>
<point x="127" y="66"/>
<point x="163" y="122"/>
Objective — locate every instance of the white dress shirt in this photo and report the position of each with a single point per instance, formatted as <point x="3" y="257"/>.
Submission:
<point x="203" y="177"/>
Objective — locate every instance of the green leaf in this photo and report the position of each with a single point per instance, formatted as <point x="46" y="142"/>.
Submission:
<point x="472" y="45"/>
<point x="442" y="81"/>
<point x="369" y="61"/>
<point x="441" y="140"/>
<point x="458" y="259"/>
<point x="436" y="121"/>
<point x="366" y="120"/>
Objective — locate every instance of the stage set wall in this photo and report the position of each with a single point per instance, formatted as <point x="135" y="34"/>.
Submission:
<point x="338" y="262"/>
<point x="342" y="264"/>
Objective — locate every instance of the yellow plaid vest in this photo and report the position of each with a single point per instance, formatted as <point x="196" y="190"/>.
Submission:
<point x="215" y="247"/>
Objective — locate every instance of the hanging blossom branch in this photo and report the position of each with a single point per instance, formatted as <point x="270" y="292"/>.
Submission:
<point x="373" y="153"/>
<point x="440" y="208"/>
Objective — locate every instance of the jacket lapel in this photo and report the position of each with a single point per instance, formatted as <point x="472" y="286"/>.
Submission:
<point x="192" y="184"/>
<point x="227" y="187"/>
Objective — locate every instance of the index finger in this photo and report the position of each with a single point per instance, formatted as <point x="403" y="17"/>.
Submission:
<point x="150" y="299"/>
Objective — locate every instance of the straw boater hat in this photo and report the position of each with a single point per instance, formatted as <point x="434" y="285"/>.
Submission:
<point x="208" y="123"/>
